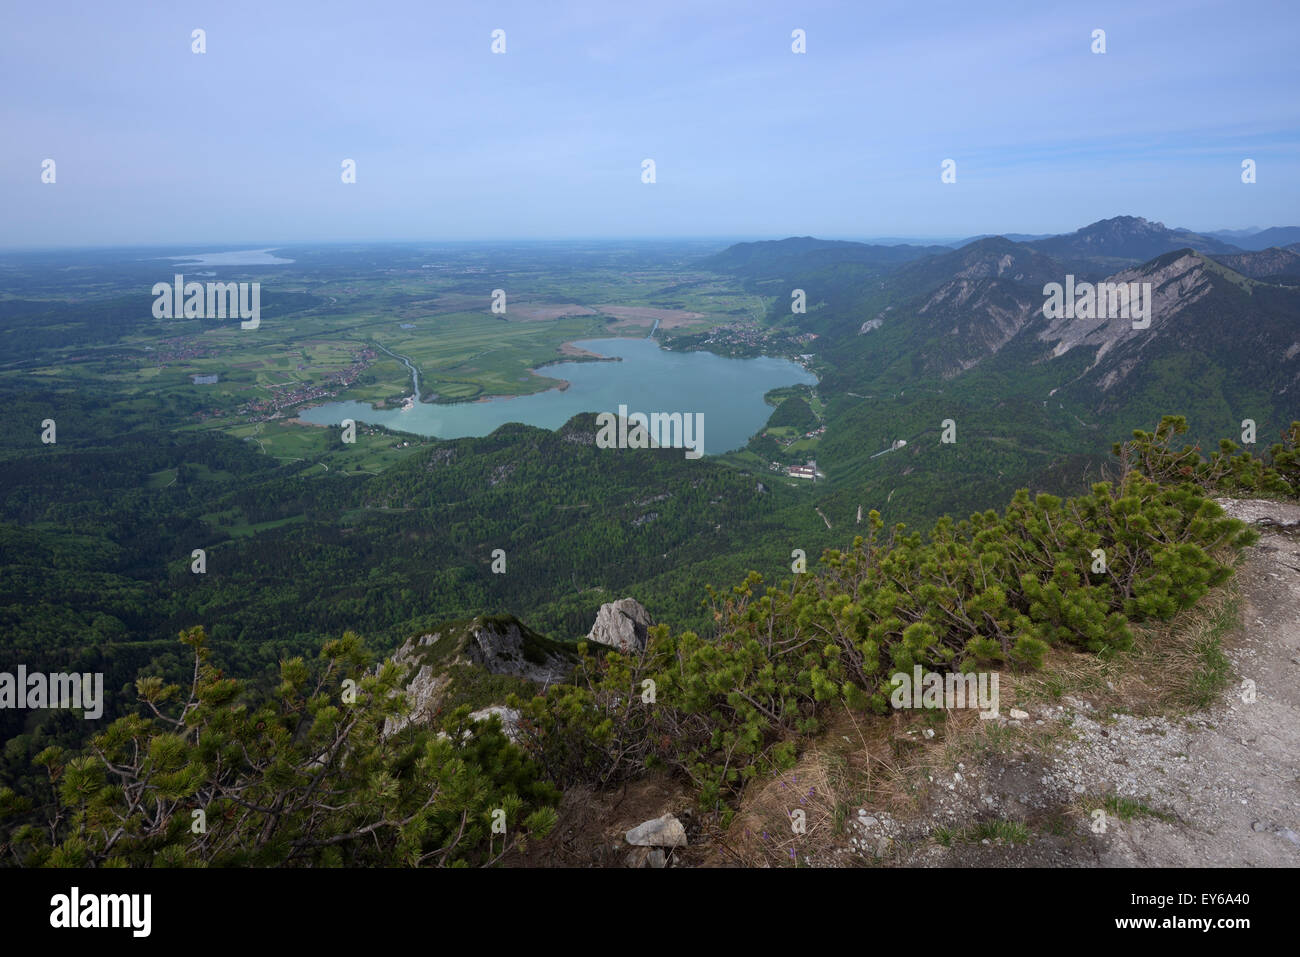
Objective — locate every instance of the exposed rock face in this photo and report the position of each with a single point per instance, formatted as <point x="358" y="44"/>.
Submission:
<point x="501" y="646"/>
<point x="624" y="625"/>
<point x="504" y="647"/>
<point x="424" y="688"/>
<point x="1176" y="284"/>
<point x="980" y="299"/>
<point x="576" y="431"/>
<point x="1262" y="511"/>
<point x="509" y="719"/>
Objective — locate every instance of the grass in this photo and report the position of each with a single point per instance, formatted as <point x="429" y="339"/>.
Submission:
<point x="1126" y="809"/>
<point x="1211" y="670"/>
<point x="997" y="832"/>
<point x="245" y="530"/>
<point x="374" y="450"/>
<point x="994" y="831"/>
<point x="1173" y="667"/>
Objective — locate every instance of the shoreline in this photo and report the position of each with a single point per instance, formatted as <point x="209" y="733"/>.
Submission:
<point x="569" y="352"/>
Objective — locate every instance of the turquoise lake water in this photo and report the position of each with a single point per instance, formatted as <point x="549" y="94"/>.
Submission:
<point x="729" y="393"/>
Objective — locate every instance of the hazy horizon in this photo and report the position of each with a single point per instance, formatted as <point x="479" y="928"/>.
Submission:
<point x="156" y="144"/>
<point x="253" y="244"/>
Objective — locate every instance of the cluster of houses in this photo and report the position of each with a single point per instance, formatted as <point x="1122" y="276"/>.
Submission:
<point x="179" y="349"/>
<point x="290" y="395"/>
<point x="734" y="333"/>
<point x="808" y="471"/>
<point x="746" y="332"/>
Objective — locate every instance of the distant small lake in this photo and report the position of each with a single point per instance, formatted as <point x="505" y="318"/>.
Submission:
<point x="239" y="257"/>
<point x="729" y="392"/>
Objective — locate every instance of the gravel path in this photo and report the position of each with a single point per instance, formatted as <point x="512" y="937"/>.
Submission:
<point x="1220" y="787"/>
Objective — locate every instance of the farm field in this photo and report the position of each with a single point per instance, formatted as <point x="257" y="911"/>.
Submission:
<point x="340" y="323"/>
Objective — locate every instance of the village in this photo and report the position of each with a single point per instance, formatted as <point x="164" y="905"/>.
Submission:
<point x="808" y="471"/>
<point x="287" y="396"/>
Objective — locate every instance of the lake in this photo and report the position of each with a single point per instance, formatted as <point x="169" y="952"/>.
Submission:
<point x="239" y="257"/>
<point x="728" y="392"/>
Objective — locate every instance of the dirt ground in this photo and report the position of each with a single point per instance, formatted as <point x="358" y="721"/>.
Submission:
<point x="1218" y="787"/>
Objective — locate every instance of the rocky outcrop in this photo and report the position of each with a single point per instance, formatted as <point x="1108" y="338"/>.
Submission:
<point x="505" y="646"/>
<point x="500" y="645"/>
<point x="443" y="664"/>
<point x="509" y="719"/>
<point x="623" y="625"/>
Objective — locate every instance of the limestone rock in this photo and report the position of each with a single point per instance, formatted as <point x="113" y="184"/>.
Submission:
<point x="509" y="719"/>
<point x="664" y="831"/>
<point x="647" y="857"/>
<point x="623" y="625"/>
<point x="500" y="645"/>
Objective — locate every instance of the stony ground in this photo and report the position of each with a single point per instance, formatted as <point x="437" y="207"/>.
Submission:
<point x="1219" y="787"/>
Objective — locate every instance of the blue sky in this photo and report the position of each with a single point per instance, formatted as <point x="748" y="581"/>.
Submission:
<point x="156" y="144"/>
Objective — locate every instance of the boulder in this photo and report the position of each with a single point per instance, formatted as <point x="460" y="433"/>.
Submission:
<point x="623" y="625"/>
<point x="664" y="831"/>
<point x="647" y="857"/>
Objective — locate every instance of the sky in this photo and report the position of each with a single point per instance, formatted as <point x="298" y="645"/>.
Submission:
<point x="154" y="143"/>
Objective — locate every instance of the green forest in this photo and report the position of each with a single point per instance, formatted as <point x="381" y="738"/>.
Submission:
<point x="300" y="773"/>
